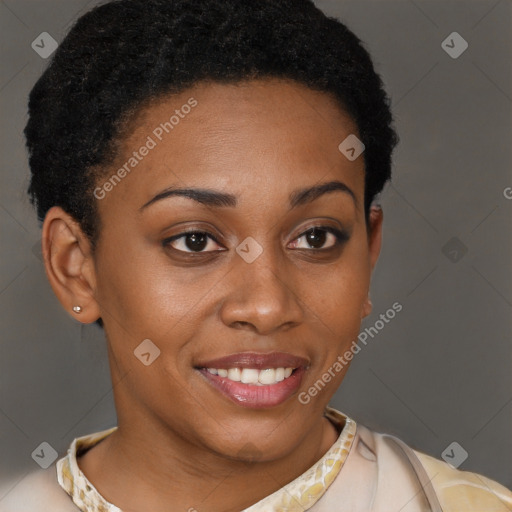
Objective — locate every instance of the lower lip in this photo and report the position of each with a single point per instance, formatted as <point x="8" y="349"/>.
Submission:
<point x="253" y="396"/>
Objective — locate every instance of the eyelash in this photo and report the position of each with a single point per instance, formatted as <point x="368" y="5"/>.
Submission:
<point x="340" y="237"/>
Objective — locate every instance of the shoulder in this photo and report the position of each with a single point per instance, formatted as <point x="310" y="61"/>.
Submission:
<point x="382" y="473"/>
<point x="451" y="489"/>
<point x="39" y="490"/>
<point x="57" y="488"/>
<point x="464" y="490"/>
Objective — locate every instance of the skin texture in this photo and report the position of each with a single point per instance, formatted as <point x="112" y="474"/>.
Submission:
<point x="180" y="443"/>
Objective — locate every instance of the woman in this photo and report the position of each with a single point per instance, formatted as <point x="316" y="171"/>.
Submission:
<point x="206" y="174"/>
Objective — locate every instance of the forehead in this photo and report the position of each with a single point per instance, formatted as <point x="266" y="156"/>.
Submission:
<point x="259" y="135"/>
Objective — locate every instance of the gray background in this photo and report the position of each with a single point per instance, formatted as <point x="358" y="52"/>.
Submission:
<point x="440" y="370"/>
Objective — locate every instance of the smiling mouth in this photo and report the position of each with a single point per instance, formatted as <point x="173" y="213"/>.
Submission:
<point x="255" y="379"/>
<point x="265" y="377"/>
<point x="254" y="388"/>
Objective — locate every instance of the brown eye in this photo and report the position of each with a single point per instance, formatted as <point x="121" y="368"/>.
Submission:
<point x="316" y="238"/>
<point x="193" y="241"/>
<point x="320" y="238"/>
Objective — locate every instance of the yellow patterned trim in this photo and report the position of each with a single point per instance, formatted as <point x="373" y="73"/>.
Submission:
<point x="70" y="477"/>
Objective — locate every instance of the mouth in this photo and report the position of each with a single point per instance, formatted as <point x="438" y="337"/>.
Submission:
<point x="255" y="380"/>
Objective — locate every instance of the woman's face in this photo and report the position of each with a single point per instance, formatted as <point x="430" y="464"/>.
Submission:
<point x="254" y="283"/>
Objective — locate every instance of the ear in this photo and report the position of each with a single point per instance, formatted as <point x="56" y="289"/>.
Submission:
<point x="374" y="246"/>
<point x="375" y="233"/>
<point x="69" y="264"/>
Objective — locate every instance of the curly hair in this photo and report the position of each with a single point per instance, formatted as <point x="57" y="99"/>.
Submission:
<point x="124" y="53"/>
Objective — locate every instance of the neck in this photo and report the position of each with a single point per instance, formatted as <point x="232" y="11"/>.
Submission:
<point x="148" y="467"/>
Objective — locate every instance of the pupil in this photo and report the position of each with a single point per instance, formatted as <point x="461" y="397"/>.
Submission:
<point x="316" y="238"/>
<point x="196" y="241"/>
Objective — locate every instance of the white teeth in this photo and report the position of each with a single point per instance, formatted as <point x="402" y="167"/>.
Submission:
<point x="267" y="376"/>
<point x="249" y="376"/>
<point x="235" y="374"/>
<point x="264" y="377"/>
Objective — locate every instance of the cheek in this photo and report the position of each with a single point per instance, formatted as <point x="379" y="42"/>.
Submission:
<point x="143" y="302"/>
<point x="131" y="284"/>
<point x="143" y="297"/>
<point x="337" y="307"/>
<point x="337" y="293"/>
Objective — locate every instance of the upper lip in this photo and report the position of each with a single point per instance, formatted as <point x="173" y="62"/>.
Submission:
<point x="256" y="360"/>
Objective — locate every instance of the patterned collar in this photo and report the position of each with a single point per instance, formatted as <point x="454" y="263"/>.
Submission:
<point x="299" y="495"/>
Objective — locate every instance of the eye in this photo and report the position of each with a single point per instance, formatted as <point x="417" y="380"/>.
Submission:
<point x="319" y="238"/>
<point x="193" y="241"/>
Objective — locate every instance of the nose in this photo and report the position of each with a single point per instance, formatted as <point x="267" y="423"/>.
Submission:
<point x="262" y="298"/>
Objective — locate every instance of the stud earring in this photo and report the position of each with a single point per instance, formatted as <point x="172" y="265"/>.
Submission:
<point x="77" y="309"/>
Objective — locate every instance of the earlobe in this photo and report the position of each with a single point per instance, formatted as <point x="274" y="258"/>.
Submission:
<point x="69" y="265"/>
<point x="367" y="307"/>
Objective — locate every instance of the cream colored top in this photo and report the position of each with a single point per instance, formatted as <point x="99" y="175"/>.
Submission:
<point x="362" y="471"/>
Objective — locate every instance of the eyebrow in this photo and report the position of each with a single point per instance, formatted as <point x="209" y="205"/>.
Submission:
<point x="217" y="199"/>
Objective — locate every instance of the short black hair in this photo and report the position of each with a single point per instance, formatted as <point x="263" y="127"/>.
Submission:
<point x="121" y="55"/>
